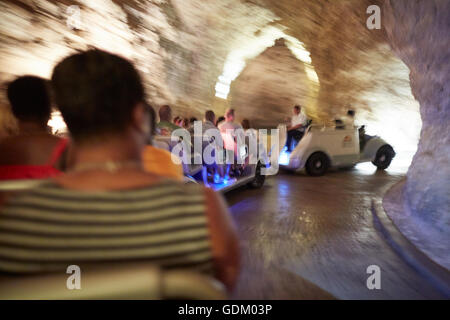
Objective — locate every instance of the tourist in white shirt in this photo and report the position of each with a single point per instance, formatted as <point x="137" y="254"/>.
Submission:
<point x="297" y="127"/>
<point x="228" y="130"/>
<point x="232" y="134"/>
<point x="248" y="130"/>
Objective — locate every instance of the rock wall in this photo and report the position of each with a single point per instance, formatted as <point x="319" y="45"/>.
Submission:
<point x="182" y="47"/>
<point x="418" y="31"/>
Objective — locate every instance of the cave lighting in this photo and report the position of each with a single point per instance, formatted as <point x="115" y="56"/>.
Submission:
<point x="232" y="69"/>
<point x="56" y="123"/>
<point x="284" y="157"/>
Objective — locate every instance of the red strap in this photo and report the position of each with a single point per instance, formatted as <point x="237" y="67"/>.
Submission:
<point x="57" y="152"/>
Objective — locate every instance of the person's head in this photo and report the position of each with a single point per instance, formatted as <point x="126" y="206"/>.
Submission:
<point x="192" y="120"/>
<point x="100" y="95"/>
<point x="30" y="99"/>
<point x="185" y="123"/>
<point x="339" y="124"/>
<point x="176" y="119"/>
<point x="165" y="113"/>
<point x="179" y="122"/>
<point x="229" y="115"/>
<point x="245" y="124"/>
<point x="219" y="120"/>
<point x="210" y="116"/>
<point x="297" y="109"/>
<point x="351" y="113"/>
<point x="152" y="119"/>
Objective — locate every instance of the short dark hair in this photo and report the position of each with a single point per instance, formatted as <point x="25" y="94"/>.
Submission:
<point x="165" y="113"/>
<point x="351" y="113"/>
<point x="210" y="116"/>
<point x="229" y="112"/>
<point x="96" y="92"/>
<point x="219" y="120"/>
<point x="297" y="107"/>
<point x="30" y="99"/>
<point x="339" y="124"/>
<point x="152" y="115"/>
<point x="245" y="124"/>
<point x="192" y="119"/>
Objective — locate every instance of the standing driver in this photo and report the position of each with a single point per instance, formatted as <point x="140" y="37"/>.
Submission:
<point x="297" y="127"/>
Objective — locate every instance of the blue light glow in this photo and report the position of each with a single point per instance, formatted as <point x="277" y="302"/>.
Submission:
<point x="284" y="157"/>
<point x="223" y="184"/>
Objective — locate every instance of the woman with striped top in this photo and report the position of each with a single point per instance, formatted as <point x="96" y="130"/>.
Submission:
<point x="106" y="208"/>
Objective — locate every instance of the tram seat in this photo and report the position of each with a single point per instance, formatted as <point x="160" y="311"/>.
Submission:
<point x="19" y="185"/>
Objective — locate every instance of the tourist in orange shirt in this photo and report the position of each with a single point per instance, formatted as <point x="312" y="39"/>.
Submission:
<point x="159" y="161"/>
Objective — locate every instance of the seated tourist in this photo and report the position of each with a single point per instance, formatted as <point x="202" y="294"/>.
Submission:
<point x="220" y="120"/>
<point x="165" y="125"/>
<point x="349" y="120"/>
<point x="107" y="209"/>
<point x="185" y="123"/>
<point x="192" y="120"/>
<point x="179" y="121"/>
<point x="248" y="129"/>
<point x="33" y="153"/>
<point x="176" y="120"/>
<point x="159" y="161"/>
<point x="339" y="124"/>
<point x="245" y="124"/>
<point x="209" y="121"/>
<point x="209" y="133"/>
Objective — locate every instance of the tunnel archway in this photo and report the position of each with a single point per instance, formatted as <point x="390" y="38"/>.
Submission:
<point x="270" y="85"/>
<point x="251" y="47"/>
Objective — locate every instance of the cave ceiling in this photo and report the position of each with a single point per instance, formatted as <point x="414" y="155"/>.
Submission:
<point x="271" y="54"/>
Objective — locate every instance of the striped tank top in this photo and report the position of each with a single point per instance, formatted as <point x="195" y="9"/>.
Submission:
<point x="49" y="228"/>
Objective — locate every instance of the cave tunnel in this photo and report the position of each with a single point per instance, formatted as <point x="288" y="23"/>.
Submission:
<point x="263" y="57"/>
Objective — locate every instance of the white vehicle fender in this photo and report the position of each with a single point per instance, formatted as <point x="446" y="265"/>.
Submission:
<point x="371" y="148"/>
<point x="303" y="157"/>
